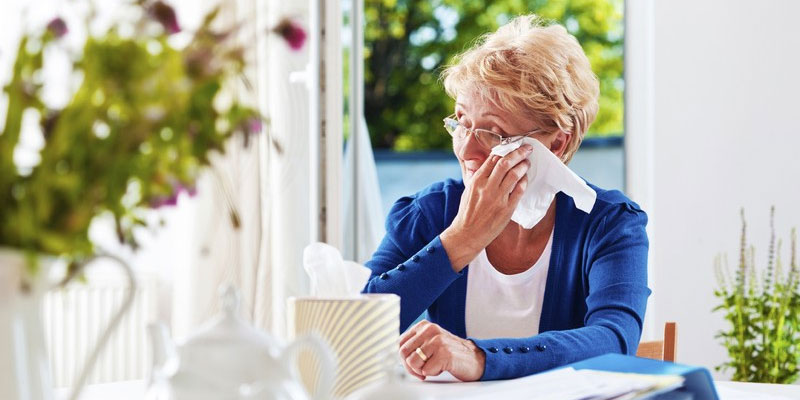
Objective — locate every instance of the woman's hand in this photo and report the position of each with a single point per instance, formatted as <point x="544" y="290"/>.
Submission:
<point x="486" y="206"/>
<point x="443" y="351"/>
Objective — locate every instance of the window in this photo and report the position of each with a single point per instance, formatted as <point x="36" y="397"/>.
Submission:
<point x="407" y="44"/>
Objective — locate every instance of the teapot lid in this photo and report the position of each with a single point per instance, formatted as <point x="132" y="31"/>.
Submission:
<point x="228" y="338"/>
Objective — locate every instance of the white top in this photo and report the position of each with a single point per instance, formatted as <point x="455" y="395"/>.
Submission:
<point x="505" y="306"/>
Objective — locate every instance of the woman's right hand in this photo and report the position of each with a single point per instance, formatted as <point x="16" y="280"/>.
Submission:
<point x="488" y="201"/>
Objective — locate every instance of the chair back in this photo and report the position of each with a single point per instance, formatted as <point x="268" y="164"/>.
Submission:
<point x="661" y="349"/>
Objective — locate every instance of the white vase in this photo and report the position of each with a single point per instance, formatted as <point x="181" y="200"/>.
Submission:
<point x="24" y="366"/>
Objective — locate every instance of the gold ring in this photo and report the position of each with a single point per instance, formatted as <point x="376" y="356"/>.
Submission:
<point x="421" y="354"/>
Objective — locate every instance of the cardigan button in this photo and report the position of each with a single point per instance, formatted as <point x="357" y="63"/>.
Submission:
<point x="430" y="249"/>
<point x="401" y="267"/>
<point x="415" y="258"/>
<point x="508" y="350"/>
<point x="384" y="276"/>
<point x="524" y="349"/>
<point x="541" y="347"/>
<point x="492" y="349"/>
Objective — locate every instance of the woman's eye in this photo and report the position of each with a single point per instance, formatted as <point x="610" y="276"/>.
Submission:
<point x="498" y="131"/>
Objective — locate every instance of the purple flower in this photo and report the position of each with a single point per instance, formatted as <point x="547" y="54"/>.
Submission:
<point x="171" y="201"/>
<point x="254" y="125"/>
<point x="164" y="201"/>
<point x="165" y="15"/>
<point x="250" y="126"/>
<point x="292" y="33"/>
<point x="57" y="27"/>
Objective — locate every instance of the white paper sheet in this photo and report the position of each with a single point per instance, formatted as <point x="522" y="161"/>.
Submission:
<point x="561" y="384"/>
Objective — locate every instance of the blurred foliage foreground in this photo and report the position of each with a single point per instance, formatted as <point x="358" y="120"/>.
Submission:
<point x="143" y="121"/>
<point x="409" y="41"/>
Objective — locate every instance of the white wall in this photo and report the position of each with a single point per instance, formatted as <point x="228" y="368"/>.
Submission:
<point x="726" y="91"/>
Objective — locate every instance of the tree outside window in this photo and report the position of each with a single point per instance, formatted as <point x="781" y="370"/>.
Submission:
<point x="407" y="42"/>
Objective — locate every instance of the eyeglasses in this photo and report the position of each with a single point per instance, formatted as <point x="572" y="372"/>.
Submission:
<point x="487" y="139"/>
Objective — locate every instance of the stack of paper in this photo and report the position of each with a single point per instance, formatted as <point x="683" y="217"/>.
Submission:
<point x="561" y="384"/>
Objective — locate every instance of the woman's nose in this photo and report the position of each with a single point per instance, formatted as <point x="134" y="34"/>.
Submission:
<point x="469" y="148"/>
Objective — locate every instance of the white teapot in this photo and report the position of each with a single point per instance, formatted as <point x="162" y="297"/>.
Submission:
<point x="229" y="359"/>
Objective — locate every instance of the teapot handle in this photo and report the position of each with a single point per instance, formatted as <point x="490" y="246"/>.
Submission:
<point x="326" y="357"/>
<point x="112" y="324"/>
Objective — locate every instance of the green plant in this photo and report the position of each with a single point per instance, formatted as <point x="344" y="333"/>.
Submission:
<point x="763" y="340"/>
<point x="407" y="42"/>
<point x="142" y="123"/>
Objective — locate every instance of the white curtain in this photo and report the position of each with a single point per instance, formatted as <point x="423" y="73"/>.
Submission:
<point x="270" y="184"/>
<point x="267" y="183"/>
<point x="363" y="213"/>
<point x="222" y="252"/>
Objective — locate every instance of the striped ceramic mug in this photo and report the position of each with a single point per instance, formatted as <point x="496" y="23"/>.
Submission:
<point x="363" y="331"/>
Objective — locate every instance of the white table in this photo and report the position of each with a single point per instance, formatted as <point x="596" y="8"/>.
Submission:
<point x="741" y="390"/>
<point x="440" y="387"/>
<point x="135" y="390"/>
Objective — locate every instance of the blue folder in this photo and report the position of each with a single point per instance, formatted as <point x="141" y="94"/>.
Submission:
<point x="697" y="380"/>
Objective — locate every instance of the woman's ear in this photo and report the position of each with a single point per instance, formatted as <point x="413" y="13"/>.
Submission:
<point x="559" y="144"/>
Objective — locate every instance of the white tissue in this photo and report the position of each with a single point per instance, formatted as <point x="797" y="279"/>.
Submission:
<point x="330" y="275"/>
<point x="547" y="176"/>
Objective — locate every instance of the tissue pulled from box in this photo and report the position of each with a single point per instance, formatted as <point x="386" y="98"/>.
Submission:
<point x="546" y="176"/>
<point x="330" y="275"/>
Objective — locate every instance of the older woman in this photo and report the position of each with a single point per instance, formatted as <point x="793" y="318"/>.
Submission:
<point x="503" y="301"/>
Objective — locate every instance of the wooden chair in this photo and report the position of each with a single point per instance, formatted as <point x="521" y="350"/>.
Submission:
<point x="661" y="349"/>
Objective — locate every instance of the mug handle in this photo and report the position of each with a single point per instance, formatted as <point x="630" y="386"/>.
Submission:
<point x="112" y="324"/>
<point x="327" y="359"/>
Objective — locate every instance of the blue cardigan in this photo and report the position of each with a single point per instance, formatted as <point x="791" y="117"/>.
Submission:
<point x="595" y="294"/>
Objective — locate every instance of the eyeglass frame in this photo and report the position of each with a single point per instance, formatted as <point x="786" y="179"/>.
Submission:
<point x="503" y="139"/>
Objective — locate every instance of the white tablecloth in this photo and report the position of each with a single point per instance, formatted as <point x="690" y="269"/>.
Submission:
<point x="742" y="391"/>
<point x="135" y="390"/>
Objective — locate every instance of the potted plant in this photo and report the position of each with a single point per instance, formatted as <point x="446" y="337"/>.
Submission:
<point x="763" y="313"/>
<point x="142" y="122"/>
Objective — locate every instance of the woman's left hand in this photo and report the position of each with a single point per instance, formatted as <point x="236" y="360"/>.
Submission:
<point x="442" y="351"/>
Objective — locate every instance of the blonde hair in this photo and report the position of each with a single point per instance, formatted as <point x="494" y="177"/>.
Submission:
<point x="533" y="68"/>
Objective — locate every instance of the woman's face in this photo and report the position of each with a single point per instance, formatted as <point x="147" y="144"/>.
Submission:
<point x="474" y="111"/>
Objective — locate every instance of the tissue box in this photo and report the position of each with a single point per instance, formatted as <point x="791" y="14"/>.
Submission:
<point x="362" y="331"/>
